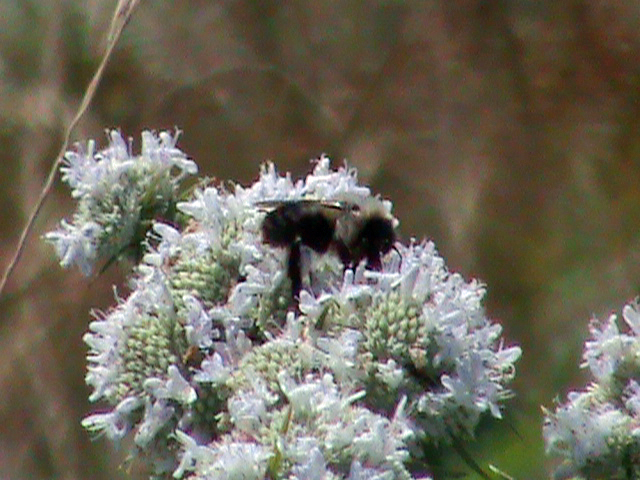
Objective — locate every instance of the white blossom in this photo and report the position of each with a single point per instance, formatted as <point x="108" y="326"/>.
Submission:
<point x="596" y="429"/>
<point x="248" y="382"/>
<point x="119" y="194"/>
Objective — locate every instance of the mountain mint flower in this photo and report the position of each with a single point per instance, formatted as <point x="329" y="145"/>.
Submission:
<point x="119" y="196"/>
<point x="217" y="372"/>
<point x="596" y="432"/>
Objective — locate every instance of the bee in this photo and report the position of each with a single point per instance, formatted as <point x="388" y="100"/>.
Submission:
<point x="355" y="230"/>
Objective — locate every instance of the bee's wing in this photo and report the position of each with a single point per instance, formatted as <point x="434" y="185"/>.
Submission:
<point x="268" y="205"/>
<point x="333" y="205"/>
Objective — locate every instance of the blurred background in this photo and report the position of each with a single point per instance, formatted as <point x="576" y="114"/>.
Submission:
<point x="508" y="132"/>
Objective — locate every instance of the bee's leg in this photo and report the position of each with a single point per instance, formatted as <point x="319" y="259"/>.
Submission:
<point x="374" y="262"/>
<point x="344" y="254"/>
<point x="294" y="270"/>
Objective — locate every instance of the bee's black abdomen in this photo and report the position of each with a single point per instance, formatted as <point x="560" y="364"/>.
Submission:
<point x="279" y="227"/>
<point x="316" y="231"/>
<point x="291" y="222"/>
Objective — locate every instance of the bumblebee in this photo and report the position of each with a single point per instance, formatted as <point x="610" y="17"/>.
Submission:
<point x="353" y="230"/>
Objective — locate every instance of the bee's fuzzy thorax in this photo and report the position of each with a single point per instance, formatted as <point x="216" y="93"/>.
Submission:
<point x="374" y="206"/>
<point x="362" y="210"/>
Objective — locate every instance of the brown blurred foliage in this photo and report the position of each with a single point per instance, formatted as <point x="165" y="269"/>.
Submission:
<point x="506" y="131"/>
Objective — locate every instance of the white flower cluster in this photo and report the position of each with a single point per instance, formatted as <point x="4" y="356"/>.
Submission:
<point x="597" y="431"/>
<point x="119" y="196"/>
<point x="218" y="373"/>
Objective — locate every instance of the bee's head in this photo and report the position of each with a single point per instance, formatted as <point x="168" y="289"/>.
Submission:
<point x="377" y="234"/>
<point x="371" y="232"/>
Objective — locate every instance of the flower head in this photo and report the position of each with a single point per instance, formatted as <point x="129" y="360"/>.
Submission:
<point x="119" y="196"/>
<point x="243" y="380"/>
<point x="596" y="430"/>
